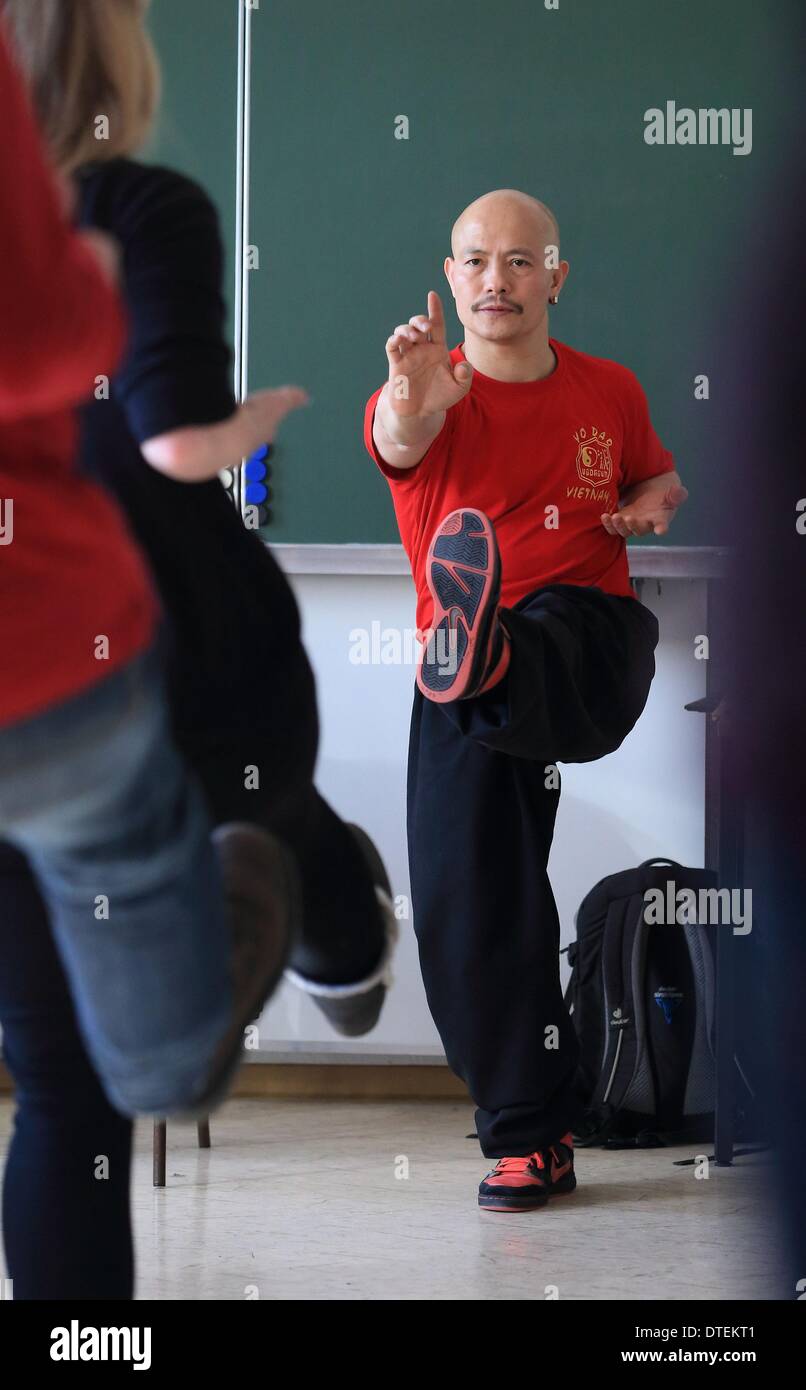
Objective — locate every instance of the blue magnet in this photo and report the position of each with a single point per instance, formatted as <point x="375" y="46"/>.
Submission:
<point x="254" y="470"/>
<point x="256" y="493"/>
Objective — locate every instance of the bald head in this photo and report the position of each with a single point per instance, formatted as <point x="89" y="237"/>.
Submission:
<point x="506" y="204"/>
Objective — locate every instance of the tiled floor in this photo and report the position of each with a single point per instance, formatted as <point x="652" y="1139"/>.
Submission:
<point x="303" y="1200"/>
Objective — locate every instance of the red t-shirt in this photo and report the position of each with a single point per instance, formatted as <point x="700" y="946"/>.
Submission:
<point x="69" y="570"/>
<point x="544" y="459"/>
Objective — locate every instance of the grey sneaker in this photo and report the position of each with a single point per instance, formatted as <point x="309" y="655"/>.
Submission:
<point x="354" y="1009"/>
<point x="262" y="889"/>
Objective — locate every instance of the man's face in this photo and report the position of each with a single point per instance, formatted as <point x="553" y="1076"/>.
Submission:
<point x="498" y="274"/>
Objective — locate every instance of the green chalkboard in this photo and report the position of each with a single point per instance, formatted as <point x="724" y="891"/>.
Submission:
<point x="352" y="225"/>
<point x="196" y="133"/>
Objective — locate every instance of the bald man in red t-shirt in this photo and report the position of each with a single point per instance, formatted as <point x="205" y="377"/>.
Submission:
<point x="518" y="468"/>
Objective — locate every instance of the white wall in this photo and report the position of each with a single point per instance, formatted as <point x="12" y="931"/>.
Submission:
<point x="646" y="799"/>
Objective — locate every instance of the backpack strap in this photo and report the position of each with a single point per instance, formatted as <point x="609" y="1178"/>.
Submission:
<point x="571" y="951"/>
<point x="624" y="951"/>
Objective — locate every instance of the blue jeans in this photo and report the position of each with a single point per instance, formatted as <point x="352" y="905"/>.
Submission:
<point x="116" y="830"/>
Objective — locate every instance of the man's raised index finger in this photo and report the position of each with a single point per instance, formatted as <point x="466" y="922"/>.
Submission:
<point x="436" y="316"/>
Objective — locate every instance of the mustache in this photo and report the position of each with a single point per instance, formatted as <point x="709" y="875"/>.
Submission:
<point x="497" y="304"/>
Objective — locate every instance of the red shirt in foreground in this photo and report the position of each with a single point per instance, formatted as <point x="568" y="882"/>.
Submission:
<point x="69" y="570"/>
<point x="544" y="460"/>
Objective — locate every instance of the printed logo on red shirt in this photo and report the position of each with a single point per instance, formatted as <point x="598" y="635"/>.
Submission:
<point x="594" y="464"/>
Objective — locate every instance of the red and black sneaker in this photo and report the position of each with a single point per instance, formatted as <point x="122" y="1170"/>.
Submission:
<point x="467" y="650"/>
<point x="518" y="1184"/>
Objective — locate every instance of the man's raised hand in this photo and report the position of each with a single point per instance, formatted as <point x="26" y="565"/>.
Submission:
<point x="422" y="379"/>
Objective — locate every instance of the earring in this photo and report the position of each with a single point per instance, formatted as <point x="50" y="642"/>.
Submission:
<point x="554" y="299"/>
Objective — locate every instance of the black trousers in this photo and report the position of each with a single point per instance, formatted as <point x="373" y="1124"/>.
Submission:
<point x="483" y="791"/>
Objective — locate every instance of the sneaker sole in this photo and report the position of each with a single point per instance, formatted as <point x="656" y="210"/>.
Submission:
<point x="565" y="1186"/>
<point x="463" y="573"/>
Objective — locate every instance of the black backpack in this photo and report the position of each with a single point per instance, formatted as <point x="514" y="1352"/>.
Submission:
<point x="642" y="998"/>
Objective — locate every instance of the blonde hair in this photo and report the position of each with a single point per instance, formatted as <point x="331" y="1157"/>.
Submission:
<point x="85" y="59"/>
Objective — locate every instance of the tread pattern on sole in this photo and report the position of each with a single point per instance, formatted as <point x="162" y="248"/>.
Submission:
<point x="443" y="656"/>
<point x="463" y="589"/>
<point x="462" y="547"/>
<point x="463" y="575"/>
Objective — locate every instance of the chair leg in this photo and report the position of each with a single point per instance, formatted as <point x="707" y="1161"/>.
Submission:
<point x="160" y="1145"/>
<point x="160" y="1129"/>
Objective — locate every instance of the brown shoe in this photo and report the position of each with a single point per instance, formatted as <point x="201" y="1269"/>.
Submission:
<point x="263" y="894"/>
